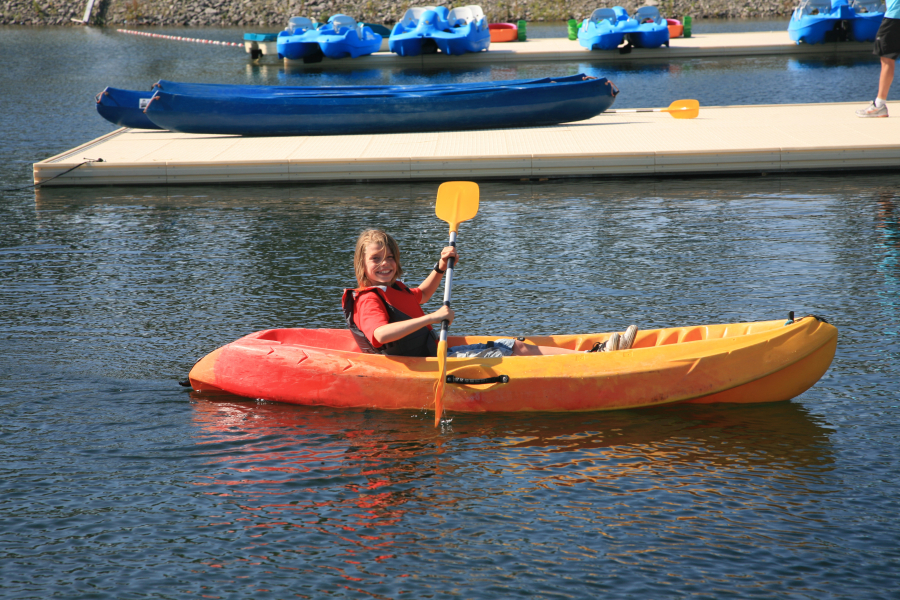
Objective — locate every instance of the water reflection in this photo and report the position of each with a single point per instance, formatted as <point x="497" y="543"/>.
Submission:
<point x="354" y="475"/>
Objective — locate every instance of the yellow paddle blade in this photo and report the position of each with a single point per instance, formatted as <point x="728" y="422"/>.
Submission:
<point x="457" y="201"/>
<point x="684" y="109"/>
<point x="439" y="385"/>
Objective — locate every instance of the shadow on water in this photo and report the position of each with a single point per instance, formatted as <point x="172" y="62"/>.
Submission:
<point x="777" y="435"/>
<point x="377" y="491"/>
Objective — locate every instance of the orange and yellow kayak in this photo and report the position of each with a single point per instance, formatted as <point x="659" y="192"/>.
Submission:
<point x="764" y="361"/>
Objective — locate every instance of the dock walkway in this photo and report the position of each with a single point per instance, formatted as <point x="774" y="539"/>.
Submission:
<point x="737" y="139"/>
<point x="711" y="45"/>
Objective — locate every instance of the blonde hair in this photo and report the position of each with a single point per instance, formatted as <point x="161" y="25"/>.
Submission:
<point x="374" y="236"/>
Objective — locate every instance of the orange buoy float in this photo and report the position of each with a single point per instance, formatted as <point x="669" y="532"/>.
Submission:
<point x="503" y="32"/>
<point x="676" y="29"/>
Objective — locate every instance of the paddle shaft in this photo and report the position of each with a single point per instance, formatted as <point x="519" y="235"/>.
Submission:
<point x="448" y="284"/>
<point x="637" y="110"/>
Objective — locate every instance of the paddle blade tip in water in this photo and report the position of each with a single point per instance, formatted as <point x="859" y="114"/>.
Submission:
<point x="439" y="384"/>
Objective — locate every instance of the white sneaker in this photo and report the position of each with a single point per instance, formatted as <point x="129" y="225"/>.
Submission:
<point x="872" y="111"/>
<point x="628" y="337"/>
<point x="612" y="343"/>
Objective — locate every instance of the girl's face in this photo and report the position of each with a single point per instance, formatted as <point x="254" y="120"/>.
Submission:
<point x="381" y="266"/>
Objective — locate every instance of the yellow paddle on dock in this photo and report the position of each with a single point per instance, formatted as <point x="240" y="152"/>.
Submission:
<point x="457" y="201"/>
<point x="680" y="109"/>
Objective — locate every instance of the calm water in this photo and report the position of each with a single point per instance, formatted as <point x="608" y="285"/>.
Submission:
<point x="117" y="483"/>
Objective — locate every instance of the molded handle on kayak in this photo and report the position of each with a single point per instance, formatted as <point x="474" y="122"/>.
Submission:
<point x="497" y="379"/>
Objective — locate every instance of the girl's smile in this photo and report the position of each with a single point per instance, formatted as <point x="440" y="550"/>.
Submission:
<point x="381" y="268"/>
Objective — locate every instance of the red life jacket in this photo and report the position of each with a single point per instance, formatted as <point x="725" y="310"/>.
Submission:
<point x="421" y="342"/>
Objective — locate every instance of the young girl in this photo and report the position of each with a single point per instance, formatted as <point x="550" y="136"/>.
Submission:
<point x="386" y="317"/>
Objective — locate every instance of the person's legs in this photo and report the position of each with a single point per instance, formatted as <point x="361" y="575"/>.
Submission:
<point x="522" y="349"/>
<point x="887" y="76"/>
<point x="887" y="48"/>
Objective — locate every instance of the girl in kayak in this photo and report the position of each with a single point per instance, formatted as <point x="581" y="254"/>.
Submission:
<point x="386" y="316"/>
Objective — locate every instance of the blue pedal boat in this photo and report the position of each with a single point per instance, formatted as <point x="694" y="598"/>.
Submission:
<point x="868" y="15"/>
<point x="393" y="109"/>
<point x="429" y="29"/>
<point x="411" y="35"/>
<point x="607" y="28"/>
<point x="469" y="31"/>
<point x="827" y="21"/>
<point x="299" y="40"/>
<point x="342" y="37"/>
<point x="604" y="30"/>
<point x="652" y="31"/>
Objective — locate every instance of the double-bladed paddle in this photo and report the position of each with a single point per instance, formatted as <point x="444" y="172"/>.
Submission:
<point x="457" y="201"/>
<point x="680" y="109"/>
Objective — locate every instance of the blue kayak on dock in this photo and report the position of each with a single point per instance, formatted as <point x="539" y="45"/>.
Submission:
<point x="126" y="107"/>
<point x="392" y="109"/>
<point x="827" y="21"/>
<point x="429" y="29"/>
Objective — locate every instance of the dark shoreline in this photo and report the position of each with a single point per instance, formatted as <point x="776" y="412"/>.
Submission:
<point x="271" y="13"/>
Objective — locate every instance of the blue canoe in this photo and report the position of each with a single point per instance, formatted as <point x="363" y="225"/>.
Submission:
<point x="393" y="110"/>
<point x="342" y="37"/>
<point x="426" y="30"/>
<point x="125" y="108"/>
<point x="826" y="21"/>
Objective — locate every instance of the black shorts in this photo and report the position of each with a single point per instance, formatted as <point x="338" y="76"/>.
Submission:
<point x="887" y="40"/>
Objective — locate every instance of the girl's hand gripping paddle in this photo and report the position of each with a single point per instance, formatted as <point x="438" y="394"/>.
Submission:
<point x="457" y="201"/>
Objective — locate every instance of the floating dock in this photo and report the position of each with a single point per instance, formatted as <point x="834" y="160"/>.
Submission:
<point x="735" y="139"/>
<point x="710" y="45"/>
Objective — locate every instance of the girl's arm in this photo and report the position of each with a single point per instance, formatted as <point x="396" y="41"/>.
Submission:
<point x="394" y="331"/>
<point x="431" y="283"/>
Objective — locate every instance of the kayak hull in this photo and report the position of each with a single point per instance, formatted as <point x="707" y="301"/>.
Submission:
<point x="125" y="108"/>
<point x="734" y="363"/>
<point x="443" y="108"/>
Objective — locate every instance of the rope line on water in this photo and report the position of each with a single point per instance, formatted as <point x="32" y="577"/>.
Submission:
<point x="179" y="38"/>
<point x="34" y="185"/>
